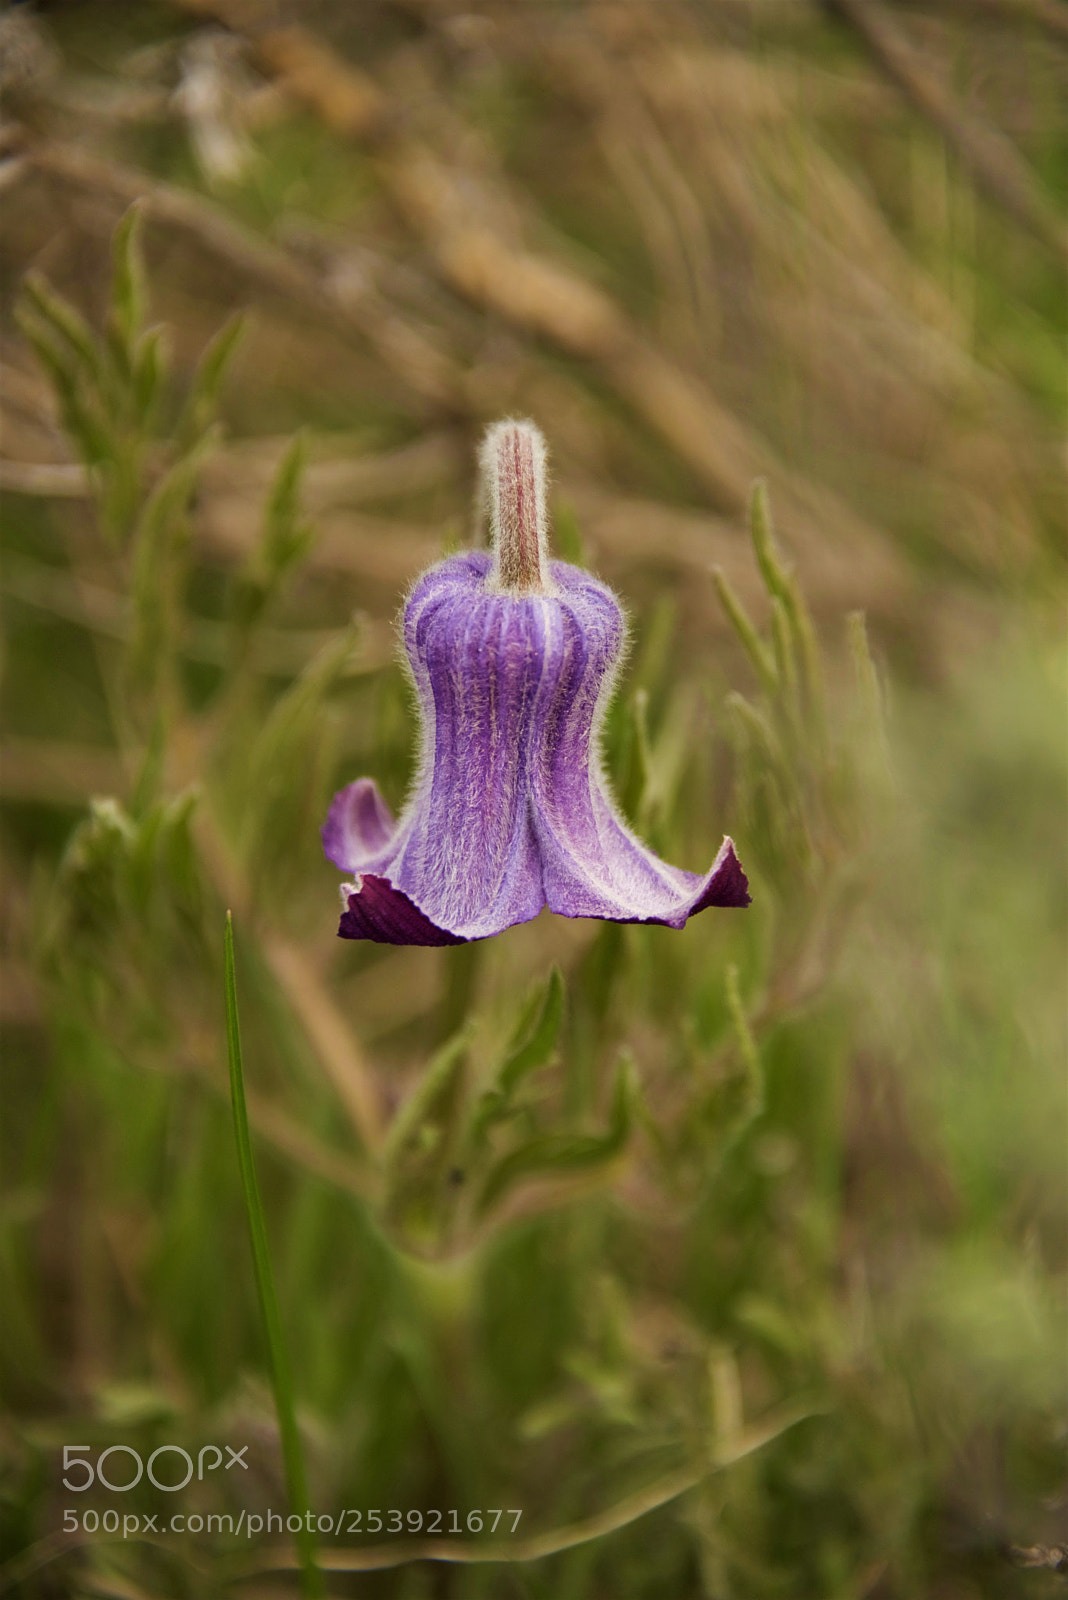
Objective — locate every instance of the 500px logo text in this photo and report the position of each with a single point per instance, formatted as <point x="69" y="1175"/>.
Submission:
<point x="77" y="1460"/>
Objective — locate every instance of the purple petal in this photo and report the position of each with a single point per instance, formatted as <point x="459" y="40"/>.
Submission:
<point x="593" y="865"/>
<point x="464" y="849"/>
<point x="726" y="884"/>
<point x="358" y="825"/>
<point x="380" y="912"/>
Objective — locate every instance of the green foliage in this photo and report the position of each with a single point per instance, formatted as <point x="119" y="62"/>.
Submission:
<point x="533" y="1044"/>
<point x="285" y="542"/>
<point x="283" y="771"/>
<point x="108" y="387"/>
<point x="568" y="1152"/>
<point x="203" y="398"/>
<point x="111" y="390"/>
<point x="806" y="796"/>
<point x="127" y="910"/>
<point x="422" y="1145"/>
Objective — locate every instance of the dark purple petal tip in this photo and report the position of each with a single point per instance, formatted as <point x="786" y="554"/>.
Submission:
<point x="380" y="912"/>
<point x="727" y="884"/>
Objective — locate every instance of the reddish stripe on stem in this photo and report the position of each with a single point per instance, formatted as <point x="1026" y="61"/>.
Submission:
<point x="513" y="460"/>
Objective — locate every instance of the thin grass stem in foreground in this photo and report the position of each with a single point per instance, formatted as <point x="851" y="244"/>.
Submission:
<point x="293" y="1459"/>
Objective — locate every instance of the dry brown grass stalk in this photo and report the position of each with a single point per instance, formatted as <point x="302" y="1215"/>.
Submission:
<point x="878" y="336"/>
<point x="994" y="162"/>
<point x="273" y="272"/>
<point x="454" y="215"/>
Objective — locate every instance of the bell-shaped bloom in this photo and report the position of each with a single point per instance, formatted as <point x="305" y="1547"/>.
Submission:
<point x="513" y="659"/>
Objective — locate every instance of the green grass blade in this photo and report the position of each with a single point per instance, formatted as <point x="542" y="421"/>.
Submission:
<point x="296" y="1482"/>
<point x="755" y="1094"/>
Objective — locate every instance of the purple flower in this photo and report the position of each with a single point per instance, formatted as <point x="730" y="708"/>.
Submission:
<point x="513" y="658"/>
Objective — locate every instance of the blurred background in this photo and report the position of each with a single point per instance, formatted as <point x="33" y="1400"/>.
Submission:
<point x="734" y="1258"/>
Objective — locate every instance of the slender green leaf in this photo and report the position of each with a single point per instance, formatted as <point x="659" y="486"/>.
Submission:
<point x="67" y="322"/>
<point x="80" y="417"/>
<point x="753" y="1102"/>
<point x="533" y="1044"/>
<point x="743" y="625"/>
<point x="127" y="283"/>
<point x="207" y="381"/>
<point x="869" y="689"/>
<point x="762" y="532"/>
<point x="149" y="369"/>
<point x="781" y="584"/>
<point x="785" y="662"/>
<point x="283" y="543"/>
<point x="563" y="1153"/>
<point x="281" y="1383"/>
<point x="434" y="1087"/>
<point x="534" y="1051"/>
<point x="283" y="502"/>
<point x="760" y="731"/>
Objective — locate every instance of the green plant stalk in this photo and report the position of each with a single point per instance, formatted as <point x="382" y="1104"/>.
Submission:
<point x="786" y="667"/>
<point x="869" y="689"/>
<point x="281" y="1382"/>
<point x="782" y="585"/>
<point x="754" y="646"/>
<point x="754" y="1070"/>
<point x="755" y="1094"/>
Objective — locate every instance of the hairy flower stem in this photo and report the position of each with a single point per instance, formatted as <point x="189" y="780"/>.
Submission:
<point x="513" y="473"/>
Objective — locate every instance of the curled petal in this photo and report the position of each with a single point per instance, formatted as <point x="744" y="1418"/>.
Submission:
<point x="358" y="825"/>
<point x="378" y="911"/>
<point x="620" y="879"/>
<point x="726" y="884"/>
